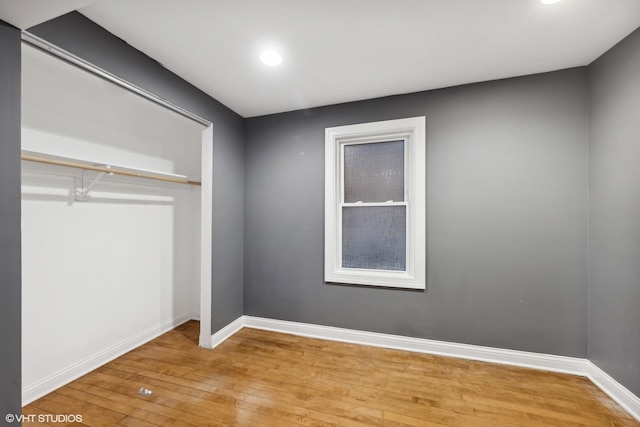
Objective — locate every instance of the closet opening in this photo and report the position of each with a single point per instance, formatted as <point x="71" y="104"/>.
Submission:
<point x="116" y="220"/>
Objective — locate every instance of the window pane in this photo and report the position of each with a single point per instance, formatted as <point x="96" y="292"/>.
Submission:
<point x="374" y="172"/>
<point x="373" y="237"/>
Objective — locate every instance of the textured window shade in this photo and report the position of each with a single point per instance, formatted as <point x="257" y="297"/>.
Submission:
<point x="374" y="172"/>
<point x="374" y="237"/>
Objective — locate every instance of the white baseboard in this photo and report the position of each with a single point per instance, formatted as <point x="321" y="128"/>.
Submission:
<point x="224" y="333"/>
<point x="56" y="380"/>
<point x="547" y="362"/>
<point x="629" y="401"/>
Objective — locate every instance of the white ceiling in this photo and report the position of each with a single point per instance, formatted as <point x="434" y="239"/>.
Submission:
<point x="346" y="50"/>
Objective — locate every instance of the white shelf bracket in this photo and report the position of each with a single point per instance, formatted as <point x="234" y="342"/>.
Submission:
<point x="82" y="193"/>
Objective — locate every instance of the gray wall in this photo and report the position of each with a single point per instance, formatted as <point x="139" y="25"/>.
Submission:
<point x="82" y="37"/>
<point x="10" y="303"/>
<point x="614" y="209"/>
<point x="507" y="230"/>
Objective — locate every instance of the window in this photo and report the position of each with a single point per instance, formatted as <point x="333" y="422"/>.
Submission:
<point x="375" y="219"/>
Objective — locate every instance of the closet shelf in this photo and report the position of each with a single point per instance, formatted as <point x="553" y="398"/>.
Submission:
<point x="109" y="169"/>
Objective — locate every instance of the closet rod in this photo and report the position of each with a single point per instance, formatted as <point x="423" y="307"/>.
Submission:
<point x="31" y="158"/>
<point x="57" y="52"/>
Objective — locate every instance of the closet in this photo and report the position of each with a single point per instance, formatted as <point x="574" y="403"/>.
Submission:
<point x="111" y="221"/>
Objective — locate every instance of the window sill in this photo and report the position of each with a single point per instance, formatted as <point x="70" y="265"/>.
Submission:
<point x="381" y="278"/>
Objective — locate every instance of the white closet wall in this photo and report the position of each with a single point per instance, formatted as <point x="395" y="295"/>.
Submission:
<point x="100" y="275"/>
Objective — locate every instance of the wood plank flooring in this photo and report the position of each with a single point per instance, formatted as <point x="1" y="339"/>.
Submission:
<point x="259" y="378"/>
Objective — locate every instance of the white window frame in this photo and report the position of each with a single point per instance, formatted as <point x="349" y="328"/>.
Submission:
<point x="413" y="132"/>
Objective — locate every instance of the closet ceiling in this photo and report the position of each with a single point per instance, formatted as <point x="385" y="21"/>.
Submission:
<point x="345" y="50"/>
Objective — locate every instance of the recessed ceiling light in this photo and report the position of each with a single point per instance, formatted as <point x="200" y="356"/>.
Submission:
<point x="550" y="1"/>
<point x="271" y="58"/>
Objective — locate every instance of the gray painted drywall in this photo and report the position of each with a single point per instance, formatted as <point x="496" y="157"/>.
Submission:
<point x="614" y="212"/>
<point x="10" y="273"/>
<point x="507" y="231"/>
<point x="82" y="37"/>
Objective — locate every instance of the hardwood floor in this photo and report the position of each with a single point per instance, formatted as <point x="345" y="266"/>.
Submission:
<point x="259" y="378"/>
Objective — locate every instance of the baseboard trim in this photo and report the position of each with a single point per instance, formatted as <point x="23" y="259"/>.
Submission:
<point x="625" y="398"/>
<point x="548" y="362"/>
<point x="58" y="379"/>
<point x="223" y="334"/>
